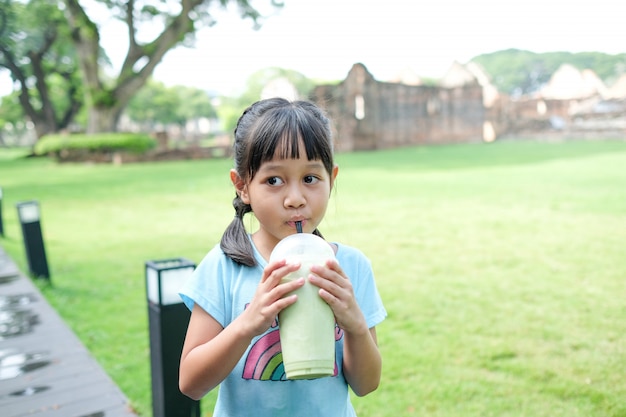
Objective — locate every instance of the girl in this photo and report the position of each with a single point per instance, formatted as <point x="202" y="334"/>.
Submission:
<point x="284" y="173"/>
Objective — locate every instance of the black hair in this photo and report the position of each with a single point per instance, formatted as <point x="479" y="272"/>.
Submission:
<point x="263" y="128"/>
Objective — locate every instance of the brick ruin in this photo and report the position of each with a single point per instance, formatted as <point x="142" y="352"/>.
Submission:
<point x="464" y="107"/>
<point x="369" y="114"/>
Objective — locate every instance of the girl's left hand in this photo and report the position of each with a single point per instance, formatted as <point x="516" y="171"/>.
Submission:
<point x="336" y="289"/>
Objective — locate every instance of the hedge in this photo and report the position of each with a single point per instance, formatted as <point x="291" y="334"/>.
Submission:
<point x="96" y="143"/>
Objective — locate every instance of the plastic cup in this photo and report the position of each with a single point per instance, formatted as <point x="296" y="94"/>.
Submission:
<point x="307" y="327"/>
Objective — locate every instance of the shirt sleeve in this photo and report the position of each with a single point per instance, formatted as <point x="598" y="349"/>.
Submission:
<point x="206" y="286"/>
<point x="359" y="269"/>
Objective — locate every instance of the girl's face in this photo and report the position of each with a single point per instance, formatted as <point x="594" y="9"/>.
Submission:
<point x="284" y="191"/>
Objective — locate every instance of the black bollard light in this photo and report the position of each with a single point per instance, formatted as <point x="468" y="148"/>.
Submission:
<point x="168" y="320"/>
<point x="29" y="216"/>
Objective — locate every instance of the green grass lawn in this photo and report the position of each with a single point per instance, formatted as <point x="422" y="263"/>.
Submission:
<point x="502" y="267"/>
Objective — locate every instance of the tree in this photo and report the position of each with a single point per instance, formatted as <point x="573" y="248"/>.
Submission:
<point x="154" y="104"/>
<point x="231" y="108"/>
<point x="157" y="104"/>
<point x="106" y="100"/>
<point x="35" y="48"/>
<point x="195" y="104"/>
<point x="523" y="72"/>
<point x="12" y="123"/>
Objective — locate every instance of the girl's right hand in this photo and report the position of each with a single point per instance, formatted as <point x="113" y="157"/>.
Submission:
<point x="211" y="351"/>
<point x="271" y="296"/>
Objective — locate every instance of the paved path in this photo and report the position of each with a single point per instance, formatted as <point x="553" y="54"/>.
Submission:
<point x="45" y="371"/>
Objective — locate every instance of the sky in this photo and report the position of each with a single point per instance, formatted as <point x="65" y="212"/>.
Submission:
<point x="322" y="39"/>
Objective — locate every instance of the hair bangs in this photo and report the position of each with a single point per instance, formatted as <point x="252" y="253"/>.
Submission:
<point x="280" y="133"/>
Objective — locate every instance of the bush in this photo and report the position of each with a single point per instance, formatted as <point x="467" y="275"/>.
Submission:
<point x="100" y="143"/>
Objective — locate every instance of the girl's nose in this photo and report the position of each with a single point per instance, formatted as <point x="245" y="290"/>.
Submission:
<point x="294" y="197"/>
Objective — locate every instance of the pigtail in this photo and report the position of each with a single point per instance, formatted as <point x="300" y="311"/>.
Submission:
<point x="235" y="241"/>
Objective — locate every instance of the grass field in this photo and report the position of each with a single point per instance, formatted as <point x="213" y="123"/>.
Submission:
<point x="502" y="267"/>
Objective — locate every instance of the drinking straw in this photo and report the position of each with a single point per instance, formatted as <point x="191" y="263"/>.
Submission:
<point x="299" y="226"/>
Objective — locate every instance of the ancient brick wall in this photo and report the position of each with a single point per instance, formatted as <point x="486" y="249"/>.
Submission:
<point x="530" y="117"/>
<point x="368" y="114"/>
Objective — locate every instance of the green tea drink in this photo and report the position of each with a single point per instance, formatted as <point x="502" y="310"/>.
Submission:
<point x="307" y="327"/>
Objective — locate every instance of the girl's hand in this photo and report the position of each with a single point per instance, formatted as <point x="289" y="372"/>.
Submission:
<point x="336" y="289"/>
<point x="270" y="297"/>
<point x="362" y="363"/>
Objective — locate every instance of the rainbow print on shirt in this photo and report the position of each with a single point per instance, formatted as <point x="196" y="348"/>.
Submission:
<point x="264" y="361"/>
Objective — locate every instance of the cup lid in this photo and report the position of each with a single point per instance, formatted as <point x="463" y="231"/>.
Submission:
<point x="302" y="245"/>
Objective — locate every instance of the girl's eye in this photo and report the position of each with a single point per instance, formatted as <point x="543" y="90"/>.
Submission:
<point x="310" y="179"/>
<point x="274" y="181"/>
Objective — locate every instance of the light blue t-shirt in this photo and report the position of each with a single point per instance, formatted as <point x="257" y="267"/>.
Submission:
<point x="257" y="386"/>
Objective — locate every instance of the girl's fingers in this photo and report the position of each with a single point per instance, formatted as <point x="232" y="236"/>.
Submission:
<point x="282" y="290"/>
<point x="275" y="271"/>
<point x="330" y="278"/>
<point x="331" y="271"/>
<point x="271" y="268"/>
<point x="271" y="297"/>
<point x="271" y="290"/>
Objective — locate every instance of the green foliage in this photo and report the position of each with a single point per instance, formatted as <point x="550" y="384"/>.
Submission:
<point x="156" y="103"/>
<point x="516" y="71"/>
<point x="229" y="112"/>
<point x="101" y="142"/>
<point x="10" y="110"/>
<point x="195" y="103"/>
<point x="36" y="47"/>
<point x="103" y="97"/>
<point x="38" y="19"/>
<point x="231" y="108"/>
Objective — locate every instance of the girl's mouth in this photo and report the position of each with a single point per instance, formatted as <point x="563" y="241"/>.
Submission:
<point x="297" y="224"/>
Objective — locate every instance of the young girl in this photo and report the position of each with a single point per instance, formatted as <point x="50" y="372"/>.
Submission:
<point x="284" y="173"/>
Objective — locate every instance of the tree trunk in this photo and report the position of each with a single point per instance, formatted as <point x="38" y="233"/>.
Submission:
<point x="103" y="119"/>
<point x="105" y="105"/>
<point x="43" y="127"/>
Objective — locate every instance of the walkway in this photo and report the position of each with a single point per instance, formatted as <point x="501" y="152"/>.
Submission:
<point x="45" y="371"/>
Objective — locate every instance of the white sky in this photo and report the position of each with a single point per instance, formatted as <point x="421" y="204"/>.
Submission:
<point x="323" y="38"/>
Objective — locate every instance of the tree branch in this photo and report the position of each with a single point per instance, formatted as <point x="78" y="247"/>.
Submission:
<point x="19" y="76"/>
<point x="154" y="51"/>
<point x="36" y="60"/>
<point x="74" y="106"/>
<point x="87" y="40"/>
<point x="134" y="50"/>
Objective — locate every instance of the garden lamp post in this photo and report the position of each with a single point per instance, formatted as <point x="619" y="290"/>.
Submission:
<point x="168" y="320"/>
<point x="30" y="218"/>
